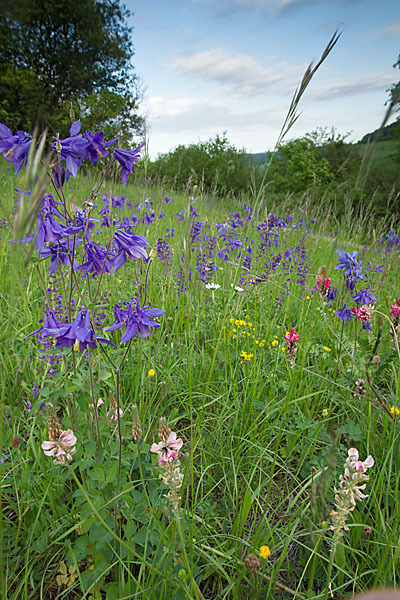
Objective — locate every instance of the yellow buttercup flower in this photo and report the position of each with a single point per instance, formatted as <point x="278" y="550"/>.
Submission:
<point x="395" y="411"/>
<point x="151" y="373"/>
<point x="265" y="552"/>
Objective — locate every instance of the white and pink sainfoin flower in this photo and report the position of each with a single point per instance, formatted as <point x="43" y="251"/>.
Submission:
<point x="61" y="448"/>
<point x="291" y="339"/>
<point x="168" y="458"/>
<point x="351" y="487"/>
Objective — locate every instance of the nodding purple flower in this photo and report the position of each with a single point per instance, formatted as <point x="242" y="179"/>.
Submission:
<point x="350" y="264"/>
<point x="365" y="297"/>
<point x="60" y="255"/>
<point x="127" y="160"/>
<point x="92" y="146"/>
<point x="78" y="334"/>
<point x="69" y="152"/>
<point x="15" y="148"/>
<point x="331" y="294"/>
<point x="138" y="321"/>
<point x="49" y="230"/>
<point x="344" y="313"/>
<point x="97" y="260"/>
<point x="350" y="283"/>
<point x="168" y="199"/>
<point x="129" y="245"/>
<point x="49" y="204"/>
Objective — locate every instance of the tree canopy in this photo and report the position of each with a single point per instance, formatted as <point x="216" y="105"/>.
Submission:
<point x="53" y="52"/>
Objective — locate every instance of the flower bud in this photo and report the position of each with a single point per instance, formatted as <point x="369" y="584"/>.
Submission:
<point x="252" y="563"/>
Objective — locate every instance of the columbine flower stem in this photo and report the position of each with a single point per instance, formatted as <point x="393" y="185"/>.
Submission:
<point x="340" y="351"/>
<point x="94" y="401"/>
<point x="118" y="370"/>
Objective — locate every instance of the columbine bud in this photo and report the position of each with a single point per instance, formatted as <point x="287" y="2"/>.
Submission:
<point x="58" y="145"/>
<point x="153" y="253"/>
<point x="376" y="360"/>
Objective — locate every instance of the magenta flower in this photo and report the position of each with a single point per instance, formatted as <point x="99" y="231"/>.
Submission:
<point x="167" y="450"/>
<point x="62" y="449"/>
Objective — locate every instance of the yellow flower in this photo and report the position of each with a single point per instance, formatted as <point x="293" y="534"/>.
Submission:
<point x="395" y="411"/>
<point x="119" y="280"/>
<point x="265" y="552"/>
<point x="151" y="373"/>
<point x="326" y="348"/>
<point x="324" y="412"/>
<point x="274" y="343"/>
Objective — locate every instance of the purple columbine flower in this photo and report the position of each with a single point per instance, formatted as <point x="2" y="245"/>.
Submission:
<point x="49" y="230"/>
<point x="350" y="264"/>
<point x="78" y="333"/>
<point x="70" y="151"/>
<point x="344" y="313"/>
<point x="138" y="320"/>
<point x="127" y="160"/>
<point x="97" y="260"/>
<point x="365" y="297"/>
<point x="92" y="146"/>
<point x="60" y="255"/>
<point x="129" y="245"/>
<point x="15" y="148"/>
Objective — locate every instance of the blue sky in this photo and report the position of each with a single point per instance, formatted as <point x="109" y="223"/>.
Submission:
<point x="209" y="66"/>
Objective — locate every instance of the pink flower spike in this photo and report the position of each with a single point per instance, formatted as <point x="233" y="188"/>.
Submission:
<point x="167" y="450"/>
<point x="67" y="438"/>
<point x="353" y="454"/>
<point x="61" y="448"/>
<point x="366" y="464"/>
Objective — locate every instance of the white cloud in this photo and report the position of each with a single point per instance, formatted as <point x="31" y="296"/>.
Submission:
<point x="240" y="74"/>
<point x="364" y="85"/>
<point x="390" y="29"/>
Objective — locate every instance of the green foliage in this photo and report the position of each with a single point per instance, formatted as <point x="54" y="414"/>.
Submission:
<point x="295" y="167"/>
<point x="214" y="165"/>
<point x="62" y="51"/>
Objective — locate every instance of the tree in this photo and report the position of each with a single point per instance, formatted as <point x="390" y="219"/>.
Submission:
<point x="56" y="51"/>
<point x="215" y="165"/>
<point x="295" y="167"/>
<point x="394" y="91"/>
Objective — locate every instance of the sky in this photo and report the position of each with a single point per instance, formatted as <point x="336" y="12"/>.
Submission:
<point x="212" y="66"/>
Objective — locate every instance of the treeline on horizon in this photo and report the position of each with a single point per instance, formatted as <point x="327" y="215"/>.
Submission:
<point x="322" y="165"/>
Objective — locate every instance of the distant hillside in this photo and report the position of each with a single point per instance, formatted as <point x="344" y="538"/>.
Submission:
<point x="389" y="133"/>
<point x="259" y="158"/>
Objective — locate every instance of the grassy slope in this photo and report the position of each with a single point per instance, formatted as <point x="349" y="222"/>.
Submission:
<point x="252" y="429"/>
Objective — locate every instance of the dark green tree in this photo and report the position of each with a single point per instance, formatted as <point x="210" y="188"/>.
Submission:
<point x="53" y="52"/>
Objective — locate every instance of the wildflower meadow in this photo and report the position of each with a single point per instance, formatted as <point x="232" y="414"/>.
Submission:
<point x="199" y="394"/>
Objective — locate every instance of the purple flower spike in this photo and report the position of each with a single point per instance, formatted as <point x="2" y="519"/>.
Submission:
<point x="127" y="159"/>
<point x="138" y="320"/>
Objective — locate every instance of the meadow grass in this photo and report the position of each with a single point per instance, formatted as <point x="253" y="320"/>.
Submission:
<point x="264" y="443"/>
